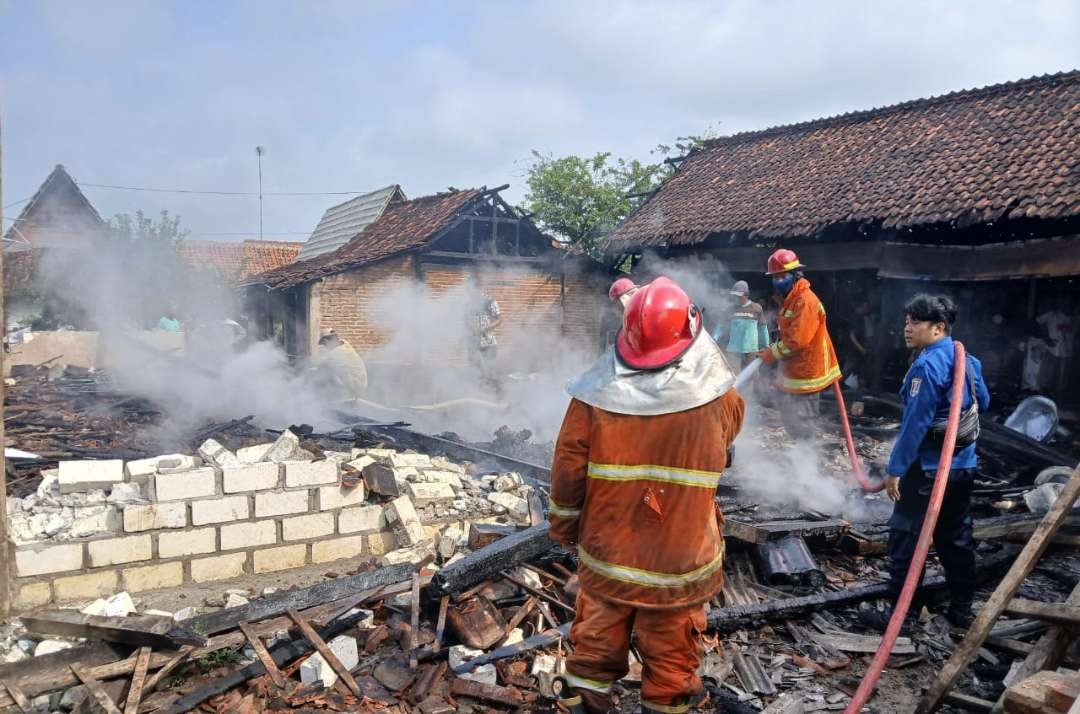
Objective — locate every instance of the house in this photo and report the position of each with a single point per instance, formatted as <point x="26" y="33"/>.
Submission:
<point x="58" y="216"/>
<point x="974" y="194"/>
<point x="439" y="243"/>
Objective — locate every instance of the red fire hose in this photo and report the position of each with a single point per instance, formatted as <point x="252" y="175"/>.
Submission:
<point x="856" y="466"/>
<point x="914" y="574"/>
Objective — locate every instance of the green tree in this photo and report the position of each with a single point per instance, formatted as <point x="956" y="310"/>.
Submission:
<point x="582" y="199"/>
<point x="140" y="227"/>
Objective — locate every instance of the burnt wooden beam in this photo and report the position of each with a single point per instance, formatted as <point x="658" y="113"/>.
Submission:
<point x="489" y="561"/>
<point x="282" y="655"/>
<point x="21" y="700"/>
<point x="264" y="656"/>
<point x="1058" y="613"/>
<point x="759" y="533"/>
<point x="544" y="639"/>
<point x="321" y="647"/>
<point x="138" y="630"/>
<point x="1002" y="595"/>
<point x="97" y="692"/>
<point x="301" y="599"/>
<point x="138" y="680"/>
<point x="506" y="696"/>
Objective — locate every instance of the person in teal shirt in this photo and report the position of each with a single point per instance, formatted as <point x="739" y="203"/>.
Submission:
<point x="747" y="331"/>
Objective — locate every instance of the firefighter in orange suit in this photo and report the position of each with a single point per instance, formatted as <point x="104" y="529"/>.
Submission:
<point x="804" y="347"/>
<point x="636" y="467"/>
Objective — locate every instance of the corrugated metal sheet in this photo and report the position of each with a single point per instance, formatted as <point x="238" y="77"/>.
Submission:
<point x="345" y="220"/>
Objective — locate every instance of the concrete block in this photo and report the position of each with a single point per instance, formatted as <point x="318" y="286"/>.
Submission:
<point x="196" y="483"/>
<point x="125" y="493"/>
<point x="316" y="669"/>
<point x="155" y="516"/>
<point x="517" y="507"/>
<point x="32" y="595"/>
<point x="91" y="520"/>
<point x="284" y="558"/>
<point x="399" y="459"/>
<point x="253" y="454"/>
<point x="86" y="586"/>
<point x="113" y="551"/>
<point x="285" y="448"/>
<point x="508" y="481"/>
<point x="381" y="543"/>
<point x="401" y="517"/>
<point x="280" y="503"/>
<point x="76" y="476"/>
<point x="247" y="535"/>
<point x="425" y="494"/>
<point x="300" y="474"/>
<point x="413" y="554"/>
<point x="380" y="479"/>
<point x="175" y="544"/>
<point x="449" y="478"/>
<point x="43" y="559"/>
<point x="152" y="577"/>
<point x="333" y="497"/>
<point x="222" y="509"/>
<point x="324" y="551"/>
<point x="441" y="462"/>
<point x="220" y="567"/>
<point x="360" y="462"/>
<point x="313" y="525"/>
<point x="177" y="463"/>
<point x="213" y="452"/>
<point x="338" y="456"/>
<point x="363" y="519"/>
<point x="252" y="477"/>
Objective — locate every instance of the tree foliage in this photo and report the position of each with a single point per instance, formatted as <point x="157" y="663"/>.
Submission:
<point x="140" y="227"/>
<point x="582" y="199"/>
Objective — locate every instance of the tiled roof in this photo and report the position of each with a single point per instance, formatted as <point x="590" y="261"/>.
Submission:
<point x="1010" y="150"/>
<point x="343" y="221"/>
<point x="58" y="214"/>
<point x="238" y="260"/>
<point x="402" y="227"/>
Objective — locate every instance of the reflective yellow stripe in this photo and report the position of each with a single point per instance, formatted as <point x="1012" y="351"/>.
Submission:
<point x="582" y="683"/>
<point x="666" y="708"/>
<point x="651" y="578"/>
<point x="647" y="472"/>
<point x="784" y="349"/>
<point x="555" y="509"/>
<point x="789" y="313"/>
<point x="792" y="265"/>
<point x="775" y="349"/>
<point x="811" y="384"/>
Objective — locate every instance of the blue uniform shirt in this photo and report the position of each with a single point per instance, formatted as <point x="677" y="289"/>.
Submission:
<point x="925" y="394"/>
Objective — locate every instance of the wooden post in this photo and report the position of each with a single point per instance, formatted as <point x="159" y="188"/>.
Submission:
<point x="1002" y="595"/>
<point x="5" y="546"/>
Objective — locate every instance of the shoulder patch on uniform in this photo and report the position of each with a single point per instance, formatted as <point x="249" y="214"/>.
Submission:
<point x="916" y="384"/>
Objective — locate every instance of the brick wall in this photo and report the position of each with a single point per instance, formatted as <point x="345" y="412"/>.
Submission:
<point x="343" y="301"/>
<point x="207" y="522"/>
<point x="528" y="297"/>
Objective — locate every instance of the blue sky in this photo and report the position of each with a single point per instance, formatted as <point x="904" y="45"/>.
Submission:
<point x="351" y="96"/>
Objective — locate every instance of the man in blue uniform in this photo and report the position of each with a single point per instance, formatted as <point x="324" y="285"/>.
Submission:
<point x="913" y="464"/>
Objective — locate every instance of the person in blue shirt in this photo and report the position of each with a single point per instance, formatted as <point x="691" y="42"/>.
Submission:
<point x="913" y="463"/>
<point x="747" y="332"/>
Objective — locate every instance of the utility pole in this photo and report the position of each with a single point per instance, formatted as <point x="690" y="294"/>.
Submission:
<point x="5" y="547"/>
<point x="260" y="151"/>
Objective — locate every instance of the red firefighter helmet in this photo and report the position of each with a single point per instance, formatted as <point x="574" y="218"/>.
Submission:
<point x="620" y="287"/>
<point x="659" y="324"/>
<point x="782" y="261"/>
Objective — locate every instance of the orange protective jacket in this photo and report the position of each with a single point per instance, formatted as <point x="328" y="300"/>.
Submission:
<point x="804" y="346"/>
<point x="635" y="494"/>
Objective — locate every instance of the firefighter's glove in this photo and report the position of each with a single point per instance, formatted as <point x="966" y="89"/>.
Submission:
<point x="767" y="356"/>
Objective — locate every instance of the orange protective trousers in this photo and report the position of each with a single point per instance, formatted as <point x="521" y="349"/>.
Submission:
<point x="669" y="641"/>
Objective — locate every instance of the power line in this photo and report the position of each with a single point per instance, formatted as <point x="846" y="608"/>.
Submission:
<point x="16" y="203"/>
<point x="148" y="189"/>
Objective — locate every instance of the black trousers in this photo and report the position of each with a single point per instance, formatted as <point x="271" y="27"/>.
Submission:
<point x="954" y="540"/>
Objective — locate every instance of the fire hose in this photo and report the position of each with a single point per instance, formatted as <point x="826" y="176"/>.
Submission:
<point x="914" y="574"/>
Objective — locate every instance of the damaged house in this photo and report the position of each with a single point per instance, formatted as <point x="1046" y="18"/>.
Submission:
<point x="367" y="248"/>
<point x="975" y="194"/>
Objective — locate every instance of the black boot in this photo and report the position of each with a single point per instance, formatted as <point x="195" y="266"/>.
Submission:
<point x="878" y="620"/>
<point x="959" y="613"/>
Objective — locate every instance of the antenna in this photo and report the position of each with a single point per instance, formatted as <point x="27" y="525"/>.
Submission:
<point x="259" y="150"/>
